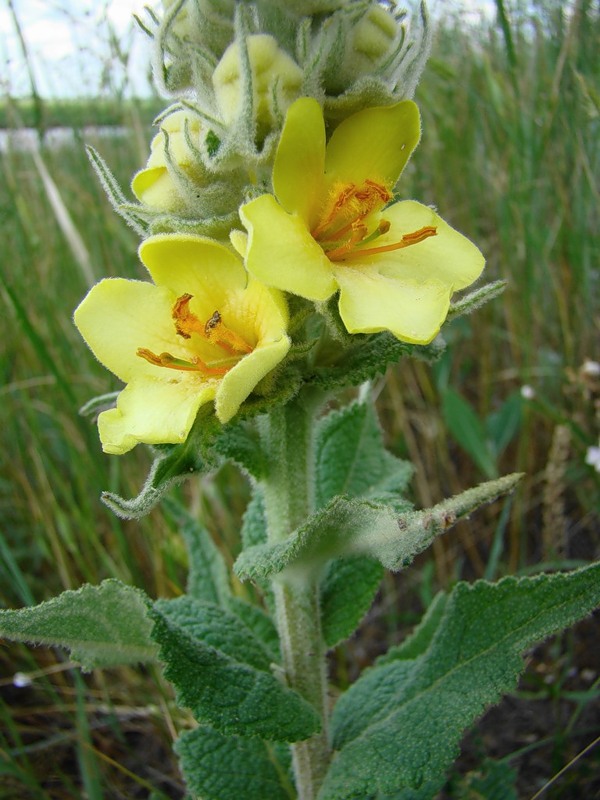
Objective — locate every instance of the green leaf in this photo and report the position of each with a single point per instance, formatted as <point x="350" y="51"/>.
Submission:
<point x="217" y="628"/>
<point x="351" y="458"/>
<point x="172" y="463"/>
<point x="427" y="791"/>
<point x="420" y="639"/>
<point x="208" y="577"/>
<point x="217" y="767"/>
<point x="114" y="192"/>
<point x="222" y="673"/>
<point x="206" y="445"/>
<point x="476" y="299"/>
<point x="468" y="430"/>
<point x="400" y="724"/>
<point x="347" y="592"/>
<point x="331" y="532"/>
<point x="260" y="623"/>
<point x="253" y="534"/>
<point x="254" y="522"/>
<point x="350" y="527"/>
<point x="368" y="357"/>
<point x="102" y="626"/>
<point x="241" y="443"/>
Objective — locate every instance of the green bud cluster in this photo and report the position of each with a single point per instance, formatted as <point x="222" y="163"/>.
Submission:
<point x="232" y="70"/>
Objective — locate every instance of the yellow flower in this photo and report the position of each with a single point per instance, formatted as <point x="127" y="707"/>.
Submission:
<point x="201" y="332"/>
<point x="173" y="161"/>
<point x="396" y="266"/>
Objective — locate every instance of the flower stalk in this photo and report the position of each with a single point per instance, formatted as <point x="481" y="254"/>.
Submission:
<point x="287" y="434"/>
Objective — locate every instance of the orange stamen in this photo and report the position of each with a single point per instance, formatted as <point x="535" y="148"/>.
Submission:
<point x="171" y="362"/>
<point x="406" y="241"/>
<point x="351" y="205"/>
<point x="358" y="234"/>
<point x="186" y="323"/>
<point x="214" y="330"/>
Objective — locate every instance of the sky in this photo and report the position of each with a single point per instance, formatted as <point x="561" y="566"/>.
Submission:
<point x="68" y="43"/>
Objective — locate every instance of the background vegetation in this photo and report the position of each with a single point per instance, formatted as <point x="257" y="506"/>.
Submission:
<point x="510" y="155"/>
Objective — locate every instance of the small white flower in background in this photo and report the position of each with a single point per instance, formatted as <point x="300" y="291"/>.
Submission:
<point x="592" y="457"/>
<point x="21" y="680"/>
<point x="527" y="392"/>
<point x="591" y="368"/>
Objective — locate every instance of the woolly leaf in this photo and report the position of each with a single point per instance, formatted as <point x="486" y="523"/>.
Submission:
<point x="222" y="673"/>
<point x="254" y="533"/>
<point x="217" y="767"/>
<point x="102" y="626"/>
<point x="420" y="639"/>
<point x="477" y="298"/>
<point x="172" y="463"/>
<point x="369" y="357"/>
<point x="240" y="443"/>
<point x="201" y="451"/>
<point x="254" y="522"/>
<point x="216" y="628"/>
<point x="350" y="527"/>
<point x="260" y="623"/>
<point x="351" y="458"/>
<point x="473" y="658"/>
<point x="114" y="192"/>
<point x="347" y="592"/>
<point x="208" y="577"/>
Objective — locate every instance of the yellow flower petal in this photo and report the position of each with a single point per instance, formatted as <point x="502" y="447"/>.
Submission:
<point x="234" y="388"/>
<point x="259" y="309"/>
<point x="300" y="160"/>
<point x="407" y="291"/>
<point x="117" y="316"/>
<point x="373" y="144"/>
<point x="448" y="257"/>
<point x="371" y="302"/>
<point x="153" y="412"/>
<point x="282" y="253"/>
<point x="193" y="264"/>
<point x="239" y="239"/>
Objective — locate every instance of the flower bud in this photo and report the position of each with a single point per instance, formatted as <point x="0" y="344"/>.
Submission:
<point x="374" y="35"/>
<point x="203" y="23"/>
<point x="369" y="41"/>
<point x="173" y="162"/>
<point x="181" y="24"/>
<point x="276" y="80"/>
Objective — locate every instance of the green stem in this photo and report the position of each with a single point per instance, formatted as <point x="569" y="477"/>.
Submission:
<point x="288" y="491"/>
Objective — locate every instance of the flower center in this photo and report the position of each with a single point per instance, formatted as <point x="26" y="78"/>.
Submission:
<point x="348" y="223"/>
<point x="229" y="346"/>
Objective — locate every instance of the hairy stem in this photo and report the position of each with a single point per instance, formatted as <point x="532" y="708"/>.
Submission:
<point x="288" y="491"/>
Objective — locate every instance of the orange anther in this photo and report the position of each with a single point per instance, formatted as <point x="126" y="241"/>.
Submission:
<point x="186" y="323"/>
